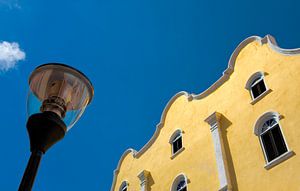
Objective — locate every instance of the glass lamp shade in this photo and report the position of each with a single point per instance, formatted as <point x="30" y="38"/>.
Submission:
<point x="60" y="89"/>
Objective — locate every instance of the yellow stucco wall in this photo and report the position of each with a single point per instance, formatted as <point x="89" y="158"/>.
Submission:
<point x="232" y="100"/>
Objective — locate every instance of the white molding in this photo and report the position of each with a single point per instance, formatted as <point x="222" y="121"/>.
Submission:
<point x="253" y="101"/>
<point x="124" y="183"/>
<point x="174" y="134"/>
<point x="262" y="118"/>
<point x="176" y="180"/>
<point x="249" y="85"/>
<point x="116" y="171"/>
<point x="177" y="153"/>
<point x="257" y="131"/>
<point x="143" y="176"/>
<point x="254" y="77"/>
<point x="221" y="159"/>
<point x="171" y="141"/>
<point x="271" y="41"/>
<point x="279" y="159"/>
<point x="213" y="120"/>
<point x="268" y="39"/>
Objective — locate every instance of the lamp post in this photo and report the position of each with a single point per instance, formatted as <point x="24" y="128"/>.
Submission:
<point x="58" y="96"/>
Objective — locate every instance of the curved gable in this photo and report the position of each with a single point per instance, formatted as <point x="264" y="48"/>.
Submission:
<point x="269" y="40"/>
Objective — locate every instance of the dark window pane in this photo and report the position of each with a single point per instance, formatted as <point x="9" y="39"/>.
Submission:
<point x="181" y="186"/>
<point x="273" y="143"/>
<point x="124" y="187"/>
<point x="267" y="144"/>
<point x="261" y="86"/>
<point x="175" y="148"/>
<point x="177" y="145"/>
<point x="279" y="141"/>
<point x="258" y="88"/>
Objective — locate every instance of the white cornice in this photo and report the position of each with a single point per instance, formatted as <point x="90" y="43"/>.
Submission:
<point x="268" y="39"/>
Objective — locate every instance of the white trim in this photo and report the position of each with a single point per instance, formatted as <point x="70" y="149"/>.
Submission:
<point x="261" y="78"/>
<point x="221" y="159"/>
<point x="258" y="126"/>
<point x="177" y="153"/>
<point x="172" y="146"/>
<point x="279" y="159"/>
<point x="213" y="120"/>
<point x="260" y="96"/>
<point x="263" y="118"/>
<point x="268" y="39"/>
<point x="177" y="137"/>
<point x="253" y="77"/>
<point x="219" y="154"/>
<point x="176" y="181"/>
<point x="250" y="84"/>
<point x="116" y="171"/>
<point x="174" y="134"/>
<point x="258" y="132"/>
<point x="143" y="176"/>
<point x="124" y="185"/>
<point x="271" y="41"/>
<point x="263" y="147"/>
<point x="177" y="134"/>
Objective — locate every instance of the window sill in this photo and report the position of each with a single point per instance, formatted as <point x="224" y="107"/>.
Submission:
<point x="177" y="153"/>
<point x="260" y="96"/>
<point x="279" y="159"/>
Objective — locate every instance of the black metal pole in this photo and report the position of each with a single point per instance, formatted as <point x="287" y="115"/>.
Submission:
<point x="44" y="129"/>
<point x="31" y="171"/>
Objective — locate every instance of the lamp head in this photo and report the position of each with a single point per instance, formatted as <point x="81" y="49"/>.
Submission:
<point x="60" y="89"/>
<point x="58" y="96"/>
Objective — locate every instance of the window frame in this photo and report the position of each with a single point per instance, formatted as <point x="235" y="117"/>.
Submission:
<point x="255" y="82"/>
<point x="258" y="132"/>
<point x="185" y="185"/>
<point x="175" y="136"/>
<point x="123" y="186"/>
<point x="266" y="131"/>
<point x="254" y="79"/>
<point x="180" y="177"/>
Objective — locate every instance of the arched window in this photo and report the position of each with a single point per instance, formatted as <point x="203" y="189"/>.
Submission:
<point x="272" y="139"/>
<point x="176" y="141"/>
<point x="257" y="86"/>
<point x="269" y="131"/>
<point x="180" y="183"/>
<point x="124" y="186"/>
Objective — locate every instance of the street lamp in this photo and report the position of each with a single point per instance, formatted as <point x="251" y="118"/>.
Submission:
<point x="57" y="97"/>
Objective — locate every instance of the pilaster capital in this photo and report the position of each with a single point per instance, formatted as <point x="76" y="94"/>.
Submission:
<point x="143" y="176"/>
<point x="213" y="120"/>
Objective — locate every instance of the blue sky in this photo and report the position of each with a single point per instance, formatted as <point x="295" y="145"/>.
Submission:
<point x="137" y="54"/>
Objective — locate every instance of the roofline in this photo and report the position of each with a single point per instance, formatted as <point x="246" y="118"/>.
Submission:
<point x="268" y="39"/>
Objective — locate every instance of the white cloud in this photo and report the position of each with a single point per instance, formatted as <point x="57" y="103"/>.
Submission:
<point x="10" y="54"/>
<point x="10" y="3"/>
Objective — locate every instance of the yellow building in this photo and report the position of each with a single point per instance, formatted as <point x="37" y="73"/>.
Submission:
<point x="241" y="133"/>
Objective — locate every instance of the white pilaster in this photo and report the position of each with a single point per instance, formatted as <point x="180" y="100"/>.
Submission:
<point x="224" y="177"/>
<point x="144" y="178"/>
